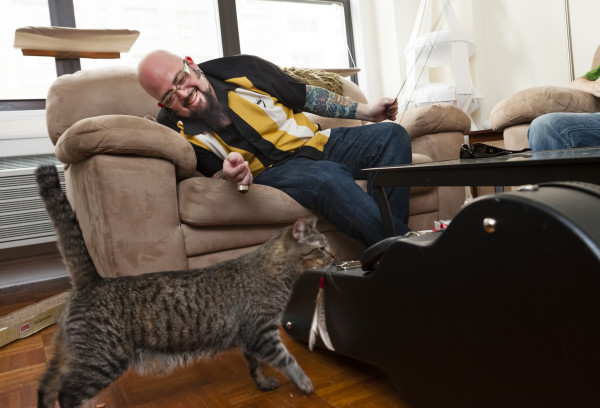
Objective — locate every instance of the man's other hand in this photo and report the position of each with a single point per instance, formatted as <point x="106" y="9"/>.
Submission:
<point x="236" y="170"/>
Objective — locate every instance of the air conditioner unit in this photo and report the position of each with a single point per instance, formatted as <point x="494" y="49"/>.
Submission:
<point x="23" y="218"/>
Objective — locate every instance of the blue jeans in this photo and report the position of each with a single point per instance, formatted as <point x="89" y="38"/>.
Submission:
<point x="564" y="131"/>
<point x="328" y="185"/>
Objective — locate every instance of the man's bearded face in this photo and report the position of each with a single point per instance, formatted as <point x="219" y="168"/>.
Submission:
<point x="211" y="113"/>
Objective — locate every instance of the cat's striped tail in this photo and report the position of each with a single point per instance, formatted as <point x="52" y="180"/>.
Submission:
<point x="70" y="239"/>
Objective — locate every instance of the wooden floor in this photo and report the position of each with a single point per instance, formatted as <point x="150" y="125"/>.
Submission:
<point x="219" y="382"/>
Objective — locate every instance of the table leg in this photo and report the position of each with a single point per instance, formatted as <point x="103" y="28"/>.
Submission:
<point x="385" y="210"/>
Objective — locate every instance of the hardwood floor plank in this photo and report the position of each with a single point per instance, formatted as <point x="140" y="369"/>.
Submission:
<point x="14" y="379"/>
<point x="214" y="397"/>
<point x="291" y="400"/>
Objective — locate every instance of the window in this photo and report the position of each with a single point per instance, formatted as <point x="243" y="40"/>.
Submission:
<point x="295" y="33"/>
<point x="181" y="26"/>
<point x="23" y="77"/>
<point x="301" y="33"/>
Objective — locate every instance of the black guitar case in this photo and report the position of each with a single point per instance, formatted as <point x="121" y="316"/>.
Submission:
<point x="502" y="309"/>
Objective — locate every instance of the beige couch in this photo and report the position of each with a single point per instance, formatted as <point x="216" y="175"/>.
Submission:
<point x="513" y="115"/>
<point x="143" y="207"/>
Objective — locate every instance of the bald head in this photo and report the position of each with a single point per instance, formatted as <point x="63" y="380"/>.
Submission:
<point x="161" y="74"/>
<point x="156" y="71"/>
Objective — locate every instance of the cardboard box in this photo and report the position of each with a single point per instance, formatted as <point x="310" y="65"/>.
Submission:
<point x="31" y="319"/>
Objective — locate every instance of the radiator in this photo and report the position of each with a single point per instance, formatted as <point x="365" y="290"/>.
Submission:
<point x="23" y="219"/>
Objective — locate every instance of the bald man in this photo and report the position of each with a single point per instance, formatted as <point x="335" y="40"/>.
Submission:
<point x="244" y="117"/>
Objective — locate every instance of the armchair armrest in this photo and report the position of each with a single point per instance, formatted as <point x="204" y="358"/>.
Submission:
<point x="122" y="181"/>
<point x="125" y="135"/>
<point x="436" y="118"/>
<point x="526" y="105"/>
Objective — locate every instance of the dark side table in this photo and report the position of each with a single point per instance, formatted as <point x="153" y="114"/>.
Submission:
<point x="582" y="164"/>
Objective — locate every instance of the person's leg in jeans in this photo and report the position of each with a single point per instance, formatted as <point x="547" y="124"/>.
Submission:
<point x="564" y="131"/>
<point x="329" y="187"/>
<point x="376" y="145"/>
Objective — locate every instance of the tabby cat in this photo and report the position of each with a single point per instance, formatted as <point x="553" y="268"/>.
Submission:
<point x="157" y="321"/>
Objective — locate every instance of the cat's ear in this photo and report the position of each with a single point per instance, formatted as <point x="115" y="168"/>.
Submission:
<point x="312" y="222"/>
<point x="300" y="229"/>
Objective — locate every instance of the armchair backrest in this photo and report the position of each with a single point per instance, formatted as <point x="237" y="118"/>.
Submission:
<point x="90" y="93"/>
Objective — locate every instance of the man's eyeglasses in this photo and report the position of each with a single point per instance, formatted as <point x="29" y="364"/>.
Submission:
<point x="181" y="81"/>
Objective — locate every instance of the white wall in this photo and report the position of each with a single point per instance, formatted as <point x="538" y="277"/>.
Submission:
<point x="520" y="44"/>
<point x="384" y="28"/>
<point x="585" y="15"/>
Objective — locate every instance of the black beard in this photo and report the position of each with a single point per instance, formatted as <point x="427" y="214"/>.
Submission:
<point x="209" y="117"/>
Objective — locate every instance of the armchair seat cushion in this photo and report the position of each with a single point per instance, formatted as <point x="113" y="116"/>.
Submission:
<point x="214" y="239"/>
<point x="206" y="201"/>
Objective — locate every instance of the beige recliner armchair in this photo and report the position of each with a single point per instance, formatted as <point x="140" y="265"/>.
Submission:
<point x="143" y="207"/>
<point x="514" y="114"/>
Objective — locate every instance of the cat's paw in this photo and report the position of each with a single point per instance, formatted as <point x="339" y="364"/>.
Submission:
<point x="304" y="385"/>
<point x="267" y="384"/>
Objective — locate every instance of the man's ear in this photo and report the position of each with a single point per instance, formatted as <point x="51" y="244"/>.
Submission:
<point x="191" y="62"/>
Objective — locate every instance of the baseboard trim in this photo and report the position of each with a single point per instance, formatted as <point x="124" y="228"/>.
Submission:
<point x="22" y="272"/>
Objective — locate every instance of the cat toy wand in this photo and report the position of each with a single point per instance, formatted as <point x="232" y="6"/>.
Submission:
<point x="430" y="45"/>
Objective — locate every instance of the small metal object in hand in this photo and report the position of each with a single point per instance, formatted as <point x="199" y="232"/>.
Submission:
<point x="242" y="188"/>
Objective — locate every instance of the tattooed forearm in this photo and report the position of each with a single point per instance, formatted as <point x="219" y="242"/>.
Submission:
<point x="325" y="103"/>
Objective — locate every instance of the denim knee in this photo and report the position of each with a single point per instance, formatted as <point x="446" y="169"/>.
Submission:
<point x="324" y="183"/>
<point x="541" y="124"/>
<point x="535" y="130"/>
<point x="544" y="133"/>
<point x="326" y="176"/>
<point x="397" y="141"/>
<point x="394" y="131"/>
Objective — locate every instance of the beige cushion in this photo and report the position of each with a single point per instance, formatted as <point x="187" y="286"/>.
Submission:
<point x="119" y="134"/>
<point x="206" y="240"/>
<point x="96" y="92"/>
<point x="434" y="119"/>
<point x="528" y="104"/>
<point x="515" y="137"/>
<point x="206" y="201"/>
